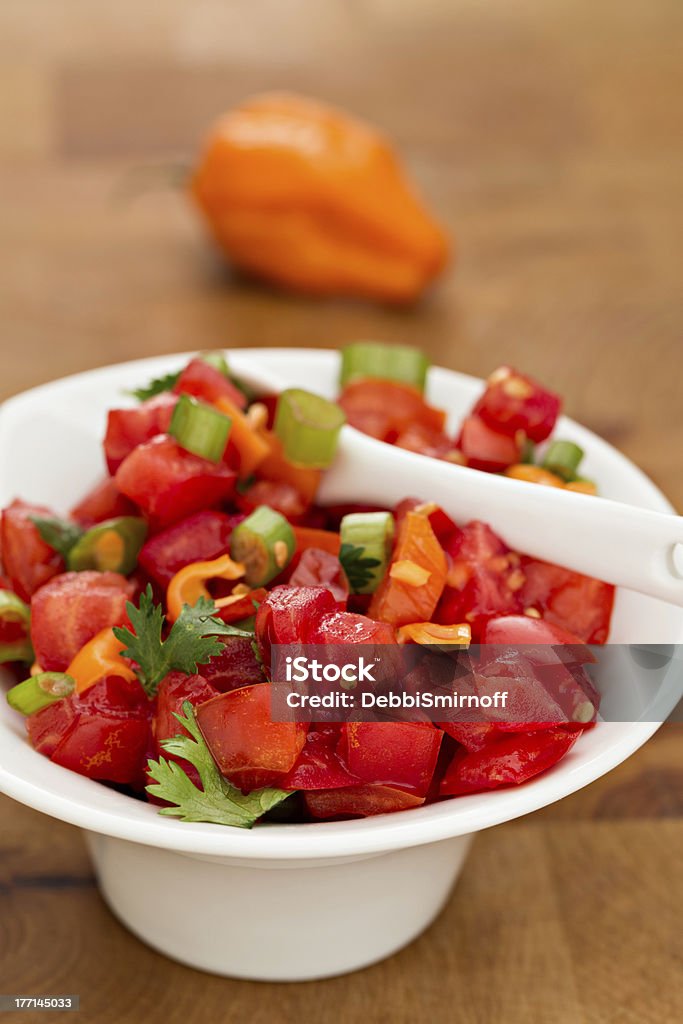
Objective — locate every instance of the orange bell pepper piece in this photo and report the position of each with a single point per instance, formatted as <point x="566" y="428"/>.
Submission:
<point x="402" y="597"/>
<point x="250" y="444"/>
<point x="189" y="583"/>
<point x="276" y="467"/>
<point x="325" y="540"/>
<point x="100" y="657"/>
<point x="309" y="198"/>
<point x="435" y="633"/>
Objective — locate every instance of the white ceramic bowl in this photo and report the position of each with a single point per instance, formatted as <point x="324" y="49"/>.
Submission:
<point x="280" y="902"/>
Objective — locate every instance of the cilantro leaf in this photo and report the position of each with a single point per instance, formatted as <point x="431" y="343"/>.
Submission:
<point x="357" y="568"/>
<point x="218" y="802"/>
<point x="156" y="387"/>
<point x="59" y="534"/>
<point x="192" y="639"/>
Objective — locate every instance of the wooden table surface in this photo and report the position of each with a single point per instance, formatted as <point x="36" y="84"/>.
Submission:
<point x="548" y="137"/>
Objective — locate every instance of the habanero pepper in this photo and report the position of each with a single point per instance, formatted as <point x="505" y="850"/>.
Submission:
<point x="309" y="198"/>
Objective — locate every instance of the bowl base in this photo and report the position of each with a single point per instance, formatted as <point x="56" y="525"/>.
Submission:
<point x="276" y="920"/>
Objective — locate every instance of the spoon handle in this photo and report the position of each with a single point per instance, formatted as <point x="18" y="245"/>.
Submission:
<point x="620" y="544"/>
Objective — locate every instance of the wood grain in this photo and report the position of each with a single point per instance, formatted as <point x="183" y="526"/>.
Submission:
<point x="548" y="138"/>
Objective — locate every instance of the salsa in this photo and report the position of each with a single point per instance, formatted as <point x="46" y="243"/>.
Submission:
<point x="140" y="627"/>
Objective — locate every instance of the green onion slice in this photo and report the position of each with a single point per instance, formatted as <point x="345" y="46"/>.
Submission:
<point x="199" y="428"/>
<point x="563" y="458"/>
<point x="366" y="540"/>
<point x="308" y="427"/>
<point x="110" y="546"/>
<point x="14" y="610"/>
<point x="401" y="363"/>
<point x="264" y="542"/>
<point x="528" y="453"/>
<point x="216" y="359"/>
<point x="38" y="692"/>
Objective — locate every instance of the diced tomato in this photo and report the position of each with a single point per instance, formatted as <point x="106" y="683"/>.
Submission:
<point x="486" y="448"/>
<point x="27" y="560"/>
<point x="206" y="382"/>
<point x="484" y="579"/>
<point x="201" y="537"/>
<point x="566" y="599"/>
<point x="442" y="524"/>
<point x="127" y="428"/>
<point x="523" y="629"/>
<point x="171" y="694"/>
<point x="349" y="628"/>
<point x="235" y="666"/>
<point x="104" y="501"/>
<point x="169" y="483"/>
<point x="508" y="762"/>
<point x="359" y="801"/>
<point x="417" y="437"/>
<point x="513" y="402"/>
<point x="288" y="614"/>
<point x="318" y="568"/>
<point x="318" y="766"/>
<point x="70" y="609"/>
<point x="47" y="728"/>
<point x="282" y="497"/>
<point x="384" y="409"/>
<point x="401" y="754"/>
<point x="102" y="735"/>
<point x="244" y="741"/>
<point x="399" y="602"/>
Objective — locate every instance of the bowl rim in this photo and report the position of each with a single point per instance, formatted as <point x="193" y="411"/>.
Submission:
<point x="29" y="778"/>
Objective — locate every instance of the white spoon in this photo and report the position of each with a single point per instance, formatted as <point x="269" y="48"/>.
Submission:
<point x="618" y="543"/>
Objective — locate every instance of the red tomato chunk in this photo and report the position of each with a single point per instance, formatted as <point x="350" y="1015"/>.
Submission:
<point x="70" y="609"/>
<point x="28" y="561"/>
<point x="127" y="428"/>
<point x="397" y="754"/>
<point x="199" y="538"/>
<point x="513" y="402"/>
<point x="507" y="762"/>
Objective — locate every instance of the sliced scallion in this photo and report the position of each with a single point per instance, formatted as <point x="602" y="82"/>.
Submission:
<point x="563" y="458"/>
<point x="308" y="427"/>
<point x="38" y="692"/>
<point x="366" y="540"/>
<point x="528" y="453"/>
<point x="14" y="611"/>
<point x="401" y="363"/>
<point x="110" y="546"/>
<point x="199" y="428"/>
<point x="264" y="543"/>
<point x="216" y="359"/>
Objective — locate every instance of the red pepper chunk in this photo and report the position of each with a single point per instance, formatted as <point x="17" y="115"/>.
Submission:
<point x="28" y="561"/>
<point x="507" y="762"/>
<point x="248" y="747"/>
<point x="318" y="766"/>
<point x="201" y="537"/>
<point x="359" y="802"/>
<point x="204" y="381"/>
<point x="400" y="754"/>
<point x="127" y="428"/>
<point x="169" y="483"/>
<point x="513" y="402"/>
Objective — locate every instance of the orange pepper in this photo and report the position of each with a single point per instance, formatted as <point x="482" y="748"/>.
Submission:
<point x="325" y="540"/>
<point x="534" y="475"/>
<point x="189" y="583"/>
<point x="309" y="198"/>
<point x="276" y="467"/>
<point x="250" y="444"/>
<point x="400" y="601"/>
<point x="100" y="657"/>
<point x="435" y="633"/>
